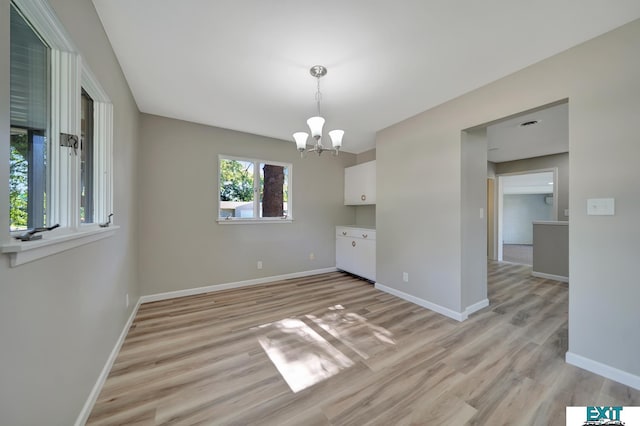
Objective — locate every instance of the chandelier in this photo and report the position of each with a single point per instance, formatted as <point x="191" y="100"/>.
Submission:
<point x="315" y="124"/>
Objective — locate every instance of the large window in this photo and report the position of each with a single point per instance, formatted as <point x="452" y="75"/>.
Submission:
<point x="253" y="190"/>
<point x="60" y="153"/>
<point x="61" y="127"/>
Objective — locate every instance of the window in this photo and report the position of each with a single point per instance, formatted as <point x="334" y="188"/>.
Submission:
<point x="86" y="158"/>
<point x="29" y="107"/>
<point x="60" y="153"/>
<point x="253" y="190"/>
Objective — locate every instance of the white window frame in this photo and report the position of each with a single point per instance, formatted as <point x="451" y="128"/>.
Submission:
<point x="68" y="75"/>
<point x="288" y="218"/>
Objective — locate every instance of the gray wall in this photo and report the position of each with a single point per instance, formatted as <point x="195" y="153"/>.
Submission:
<point x="551" y="249"/>
<point x="519" y="211"/>
<point x="600" y="80"/>
<point x="559" y="161"/>
<point x="181" y="244"/>
<point x="61" y="316"/>
<point x="473" y="217"/>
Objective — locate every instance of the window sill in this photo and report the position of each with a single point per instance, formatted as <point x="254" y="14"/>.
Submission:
<point x="22" y="252"/>
<point x="251" y="221"/>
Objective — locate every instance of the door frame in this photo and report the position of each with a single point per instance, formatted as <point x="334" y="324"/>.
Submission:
<point x="499" y="201"/>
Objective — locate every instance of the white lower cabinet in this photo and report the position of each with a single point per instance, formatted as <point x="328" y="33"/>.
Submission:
<point x="356" y="251"/>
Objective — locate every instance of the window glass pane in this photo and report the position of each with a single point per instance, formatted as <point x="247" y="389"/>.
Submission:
<point x="273" y="190"/>
<point x="29" y="105"/>
<point x="236" y="189"/>
<point x="86" y="159"/>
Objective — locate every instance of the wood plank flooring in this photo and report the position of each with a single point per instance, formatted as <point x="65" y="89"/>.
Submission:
<point x="353" y="356"/>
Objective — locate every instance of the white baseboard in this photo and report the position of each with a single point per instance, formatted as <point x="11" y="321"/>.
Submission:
<point x="603" y="370"/>
<point x="476" y="307"/>
<point x="458" y="316"/>
<point x="97" y="387"/>
<point x="550" y="276"/>
<point x="218" y="287"/>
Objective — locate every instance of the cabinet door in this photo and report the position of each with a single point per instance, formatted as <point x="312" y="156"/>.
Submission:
<point x="345" y="258"/>
<point x="366" y="258"/>
<point x="357" y="256"/>
<point x="360" y="184"/>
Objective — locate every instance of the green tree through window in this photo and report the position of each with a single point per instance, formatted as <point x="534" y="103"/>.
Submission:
<point x="251" y="189"/>
<point x="236" y="180"/>
<point x="18" y="181"/>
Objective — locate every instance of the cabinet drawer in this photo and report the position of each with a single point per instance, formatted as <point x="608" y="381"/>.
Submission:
<point x="362" y="233"/>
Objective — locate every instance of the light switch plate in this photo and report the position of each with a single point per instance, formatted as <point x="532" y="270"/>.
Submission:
<point x="600" y="206"/>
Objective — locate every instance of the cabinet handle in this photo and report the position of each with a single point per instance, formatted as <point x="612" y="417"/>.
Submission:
<point x="363" y="197"/>
<point x="344" y="232"/>
<point x="353" y="243"/>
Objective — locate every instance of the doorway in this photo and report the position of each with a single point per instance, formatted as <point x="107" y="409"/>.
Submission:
<point x="523" y="198"/>
<point x="531" y="142"/>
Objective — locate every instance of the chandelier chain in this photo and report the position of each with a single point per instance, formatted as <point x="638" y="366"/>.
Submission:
<point x="318" y="97"/>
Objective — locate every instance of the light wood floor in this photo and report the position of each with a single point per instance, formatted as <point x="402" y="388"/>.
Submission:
<point x="375" y="359"/>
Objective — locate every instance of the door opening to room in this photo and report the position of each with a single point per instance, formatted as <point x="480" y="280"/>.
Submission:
<point x="523" y="198"/>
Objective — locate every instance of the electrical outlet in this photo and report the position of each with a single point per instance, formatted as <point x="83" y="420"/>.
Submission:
<point x="312" y="256"/>
<point x="126" y="300"/>
<point x="405" y="277"/>
<point x="259" y="264"/>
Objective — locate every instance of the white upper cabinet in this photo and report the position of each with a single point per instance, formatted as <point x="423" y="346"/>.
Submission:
<point x="360" y="184"/>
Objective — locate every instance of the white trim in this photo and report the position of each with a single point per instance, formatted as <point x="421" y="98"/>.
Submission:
<point x="603" y="370"/>
<point x="238" y="221"/>
<point x="97" y="387"/>
<point x="476" y="307"/>
<point x="500" y="191"/>
<point x="550" y="276"/>
<point x="44" y="20"/>
<point x="218" y="287"/>
<point x="458" y="316"/>
<point x="102" y="160"/>
<point x="26" y="251"/>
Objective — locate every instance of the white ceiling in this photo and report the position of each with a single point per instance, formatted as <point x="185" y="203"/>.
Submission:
<point x="243" y="65"/>
<point x="509" y="140"/>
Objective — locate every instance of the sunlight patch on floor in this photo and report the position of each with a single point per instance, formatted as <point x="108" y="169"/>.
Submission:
<point x="353" y="330"/>
<point x="303" y="357"/>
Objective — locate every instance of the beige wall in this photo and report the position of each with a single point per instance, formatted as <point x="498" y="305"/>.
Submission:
<point x="366" y="156"/>
<point x="61" y="316"/>
<point x="559" y="161"/>
<point x="600" y="79"/>
<point x="181" y="244"/>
